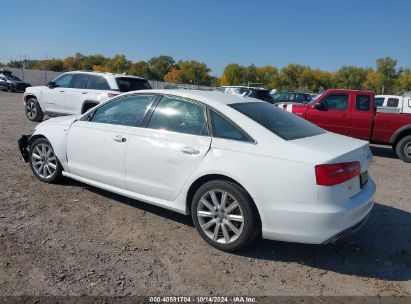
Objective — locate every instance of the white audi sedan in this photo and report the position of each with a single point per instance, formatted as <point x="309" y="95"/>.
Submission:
<point x="239" y="166"/>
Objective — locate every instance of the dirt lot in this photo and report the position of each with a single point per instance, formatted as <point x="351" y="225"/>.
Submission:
<point x="72" y="239"/>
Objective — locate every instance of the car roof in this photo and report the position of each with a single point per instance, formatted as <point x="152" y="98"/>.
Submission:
<point x="207" y="97"/>
<point x="105" y="74"/>
<point x="389" y="96"/>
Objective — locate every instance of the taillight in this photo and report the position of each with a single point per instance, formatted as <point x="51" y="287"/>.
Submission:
<point x="112" y="94"/>
<point x="334" y="174"/>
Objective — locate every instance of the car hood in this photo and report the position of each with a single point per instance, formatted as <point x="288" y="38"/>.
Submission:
<point x="61" y="120"/>
<point x="334" y="148"/>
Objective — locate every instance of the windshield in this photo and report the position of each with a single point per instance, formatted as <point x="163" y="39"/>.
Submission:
<point x="278" y="121"/>
<point x="126" y="84"/>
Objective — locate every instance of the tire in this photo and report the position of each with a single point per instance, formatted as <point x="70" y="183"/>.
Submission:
<point x="43" y="162"/>
<point x="10" y="88"/>
<point x="403" y="149"/>
<point x="237" y="234"/>
<point x="33" y="110"/>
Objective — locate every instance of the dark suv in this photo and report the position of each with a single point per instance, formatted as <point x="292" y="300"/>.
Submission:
<point x="258" y="93"/>
<point x="11" y="83"/>
<point x="290" y="97"/>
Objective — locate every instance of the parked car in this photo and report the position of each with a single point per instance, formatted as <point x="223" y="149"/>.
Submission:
<point x="76" y="92"/>
<point x="11" y="83"/>
<point x="234" y="163"/>
<point x="353" y="113"/>
<point x="283" y="98"/>
<point x="258" y="93"/>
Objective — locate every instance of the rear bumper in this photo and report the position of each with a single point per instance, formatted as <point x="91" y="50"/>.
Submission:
<point x="24" y="147"/>
<point x="317" y="223"/>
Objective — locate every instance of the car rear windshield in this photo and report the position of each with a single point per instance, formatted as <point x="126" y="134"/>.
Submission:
<point x="126" y="84"/>
<point x="278" y="121"/>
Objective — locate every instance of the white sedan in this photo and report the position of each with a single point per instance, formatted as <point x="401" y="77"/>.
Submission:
<point x="239" y="166"/>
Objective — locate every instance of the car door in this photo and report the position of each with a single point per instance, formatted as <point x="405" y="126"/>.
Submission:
<point x="362" y="116"/>
<point x="54" y="97"/>
<point x="161" y="157"/>
<point x="333" y="115"/>
<point x="96" y="144"/>
<point x="74" y="95"/>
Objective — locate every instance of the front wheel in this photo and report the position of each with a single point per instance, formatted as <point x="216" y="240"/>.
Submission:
<point x="403" y="149"/>
<point x="10" y="88"/>
<point x="224" y="215"/>
<point x="33" y="110"/>
<point x="43" y="161"/>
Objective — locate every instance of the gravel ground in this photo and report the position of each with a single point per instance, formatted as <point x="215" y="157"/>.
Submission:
<point x="73" y="239"/>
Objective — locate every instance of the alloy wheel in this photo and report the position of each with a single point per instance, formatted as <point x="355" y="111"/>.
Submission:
<point x="220" y="216"/>
<point x="407" y="149"/>
<point x="43" y="160"/>
<point x="31" y="110"/>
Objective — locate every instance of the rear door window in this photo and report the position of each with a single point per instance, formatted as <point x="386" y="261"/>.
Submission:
<point x="280" y="122"/>
<point x="126" y="84"/>
<point x="337" y="102"/>
<point x="179" y="115"/>
<point x="97" y="83"/>
<point x="363" y="103"/>
<point x="79" y="81"/>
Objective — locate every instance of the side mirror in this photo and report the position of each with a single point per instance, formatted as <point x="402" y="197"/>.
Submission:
<point x="51" y="84"/>
<point x="320" y="106"/>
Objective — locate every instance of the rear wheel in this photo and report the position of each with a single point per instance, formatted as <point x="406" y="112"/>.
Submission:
<point x="224" y="216"/>
<point x="43" y="162"/>
<point x="403" y="149"/>
<point x="33" y="110"/>
<point x="10" y="88"/>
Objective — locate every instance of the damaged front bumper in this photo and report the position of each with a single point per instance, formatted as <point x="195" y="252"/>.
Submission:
<point x="24" y="147"/>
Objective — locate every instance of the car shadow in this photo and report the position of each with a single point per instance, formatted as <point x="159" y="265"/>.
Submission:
<point x="383" y="151"/>
<point x="381" y="249"/>
<point x="159" y="211"/>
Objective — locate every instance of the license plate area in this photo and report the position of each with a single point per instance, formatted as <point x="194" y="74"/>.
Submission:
<point x="363" y="179"/>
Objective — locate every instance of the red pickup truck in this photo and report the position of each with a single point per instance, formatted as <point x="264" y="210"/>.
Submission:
<point x="353" y="113"/>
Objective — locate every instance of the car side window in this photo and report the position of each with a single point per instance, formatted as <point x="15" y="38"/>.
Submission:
<point x="393" y="102"/>
<point x="179" y="115"/>
<point x="79" y="81"/>
<point x="224" y="129"/>
<point x="337" y="102"/>
<point x="126" y="111"/>
<point x="363" y="103"/>
<point x="97" y="83"/>
<point x="63" y="81"/>
<point x="379" y="101"/>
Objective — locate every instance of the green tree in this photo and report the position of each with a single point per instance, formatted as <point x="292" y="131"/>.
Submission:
<point x="294" y="76"/>
<point x="386" y="67"/>
<point x="73" y="63"/>
<point x="403" y="82"/>
<point x="160" y="66"/>
<point x="194" y="72"/>
<point x="15" y="64"/>
<point x="234" y="74"/>
<point x="87" y="62"/>
<point x="350" y="77"/>
<point x="53" y="64"/>
<point x="117" y="64"/>
<point x="267" y="76"/>
<point x="140" y="68"/>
